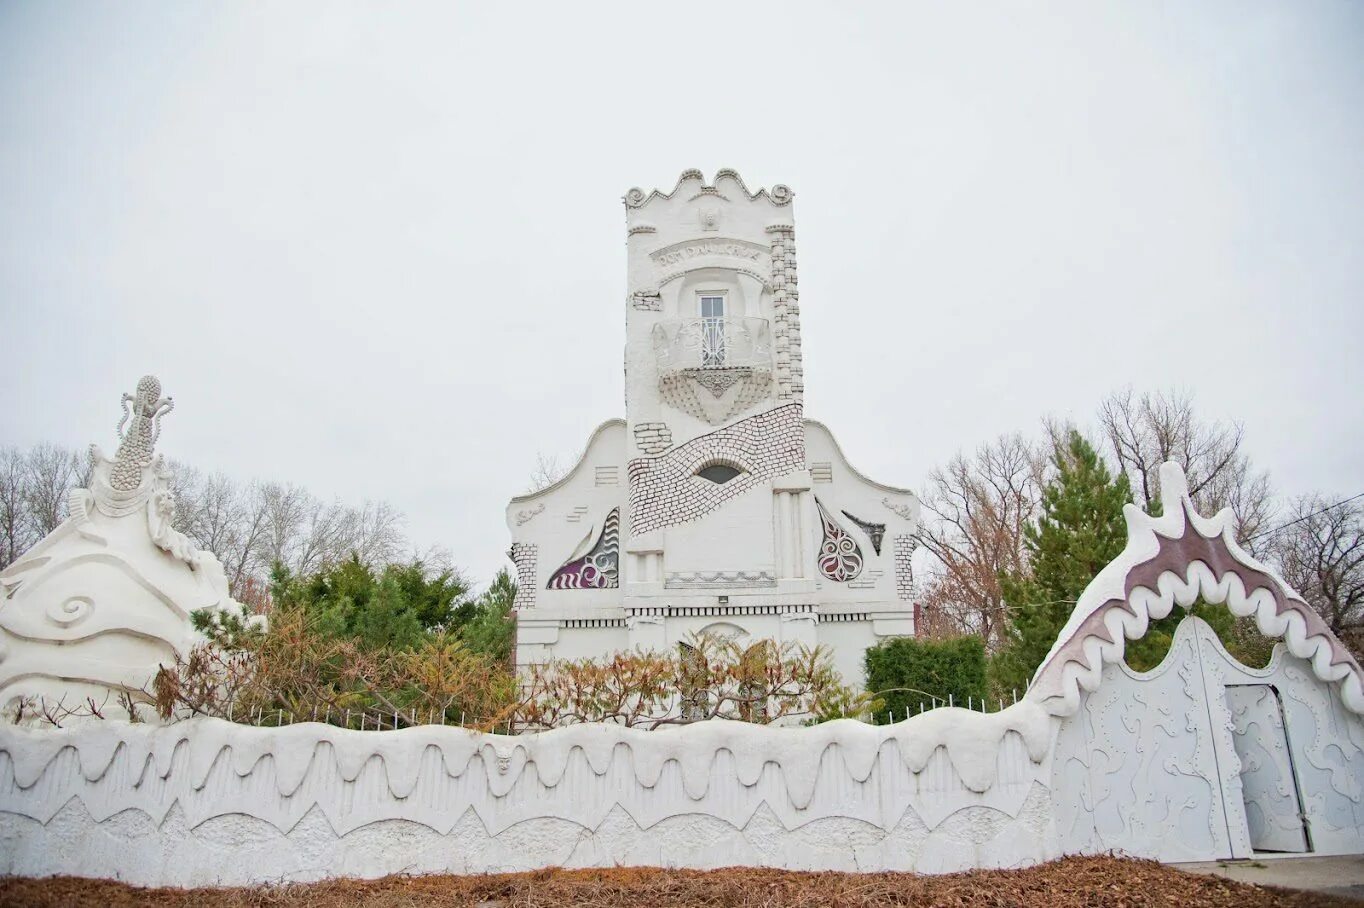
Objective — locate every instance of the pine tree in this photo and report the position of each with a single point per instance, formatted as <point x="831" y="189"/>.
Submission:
<point x="492" y="629"/>
<point x="1081" y="530"/>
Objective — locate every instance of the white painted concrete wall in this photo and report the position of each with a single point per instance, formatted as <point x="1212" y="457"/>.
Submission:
<point x="206" y="802"/>
<point x="1148" y="765"/>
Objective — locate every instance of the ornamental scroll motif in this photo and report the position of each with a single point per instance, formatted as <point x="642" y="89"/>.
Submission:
<point x="599" y="569"/>
<point x="876" y="532"/>
<point x="840" y="560"/>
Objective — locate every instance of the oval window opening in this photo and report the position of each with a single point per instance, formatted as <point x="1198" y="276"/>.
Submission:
<point x="718" y="473"/>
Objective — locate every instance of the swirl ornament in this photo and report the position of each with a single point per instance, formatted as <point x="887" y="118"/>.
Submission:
<point x="840" y="559"/>
<point x="70" y="612"/>
<point x="599" y="569"/>
<point x="876" y="532"/>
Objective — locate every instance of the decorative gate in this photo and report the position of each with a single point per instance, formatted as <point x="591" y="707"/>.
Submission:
<point x="1202" y="758"/>
<point x="1269" y="787"/>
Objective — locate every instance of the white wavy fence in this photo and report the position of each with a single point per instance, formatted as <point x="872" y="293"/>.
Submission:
<point x="206" y="802"/>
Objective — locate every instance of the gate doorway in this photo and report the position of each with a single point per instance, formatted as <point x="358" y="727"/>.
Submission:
<point x="1270" y="789"/>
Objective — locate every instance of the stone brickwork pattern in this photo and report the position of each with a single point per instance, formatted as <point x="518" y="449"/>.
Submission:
<point x="647" y="301"/>
<point x="653" y="437"/>
<point x="524" y="555"/>
<point x="664" y="490"/>
<point x="904" y="571"/>
<point x="786" y="314"/>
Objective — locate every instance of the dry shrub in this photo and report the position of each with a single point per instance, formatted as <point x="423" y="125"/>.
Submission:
<point x="712" y="677"/>
<point x="34" y="710"/>
<point x="292" y="672"/>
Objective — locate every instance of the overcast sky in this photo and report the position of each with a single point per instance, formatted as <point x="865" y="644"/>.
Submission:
<point x="378" y="249"/>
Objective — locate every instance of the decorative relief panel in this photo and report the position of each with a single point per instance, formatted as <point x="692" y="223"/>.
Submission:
<point x="901" y="510"/>
<point x="709" y="248"/>
<point x="875" y="531"/>
<point x="600" y="567"/>
<point x="665" y="491"/>
<point x="1143" y="751"/>
<point x="1328" y="745"/>
<point x="840" y="559"/>
<point x="207" y="801"/>
<point x="1205" y="759"/>
<point x="701" y="580"/>
<point x="608" y="476"/>
<point x="822" y="472"/>
<point x="713" y="368"/>
<point x="529" y="514"/>
<point x="715" y="396"/>
<point x="1324" y="742"/>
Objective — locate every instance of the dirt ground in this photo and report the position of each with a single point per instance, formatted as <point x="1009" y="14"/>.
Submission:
<point x="1079" y="882"/>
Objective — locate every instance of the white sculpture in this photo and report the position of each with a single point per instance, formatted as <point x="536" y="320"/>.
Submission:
<point x="96" y="607"/>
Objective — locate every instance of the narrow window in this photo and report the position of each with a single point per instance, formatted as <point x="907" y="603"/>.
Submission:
<point x="712" y="330"/>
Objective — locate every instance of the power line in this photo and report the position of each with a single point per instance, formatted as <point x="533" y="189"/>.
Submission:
<point x="1284" y="526"/>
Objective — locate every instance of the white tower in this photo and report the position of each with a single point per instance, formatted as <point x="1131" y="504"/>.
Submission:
<point x="715" y="505"/>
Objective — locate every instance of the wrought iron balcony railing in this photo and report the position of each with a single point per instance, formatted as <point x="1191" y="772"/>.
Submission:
<point x="713" y="343"/>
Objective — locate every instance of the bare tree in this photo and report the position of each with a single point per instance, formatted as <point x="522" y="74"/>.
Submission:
<point x="1320" y="552"/>
<point x="15" y="536"/>
<point x="248" y="527"/>
<point x="546" y="473"/>
<point x="51" y="473"/>
<point x="375" y="533"/>
<point x="286" y="509"/>
<point x="1145" y="430"/>
<point x="323" y="535"/>
<point x="975" y="511"/>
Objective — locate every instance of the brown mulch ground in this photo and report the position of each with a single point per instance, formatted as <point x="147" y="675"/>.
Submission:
<point x="1087" y="882"/>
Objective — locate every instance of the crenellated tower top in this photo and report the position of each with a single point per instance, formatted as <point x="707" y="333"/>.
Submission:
<point x="692" y="185"/>
<point x="714" y="311"/>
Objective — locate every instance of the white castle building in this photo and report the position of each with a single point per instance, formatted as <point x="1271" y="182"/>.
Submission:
<point x="715" y="505"/>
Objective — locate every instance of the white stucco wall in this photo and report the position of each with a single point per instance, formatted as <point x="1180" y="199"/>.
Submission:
<point x="206" y="802"/>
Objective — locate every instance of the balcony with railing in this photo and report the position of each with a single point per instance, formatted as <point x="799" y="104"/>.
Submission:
<point x="713" y="343"/>
<point x="714" y="368"/>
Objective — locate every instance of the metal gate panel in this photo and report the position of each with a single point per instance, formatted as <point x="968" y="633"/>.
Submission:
<point x="1268" y="787"/>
